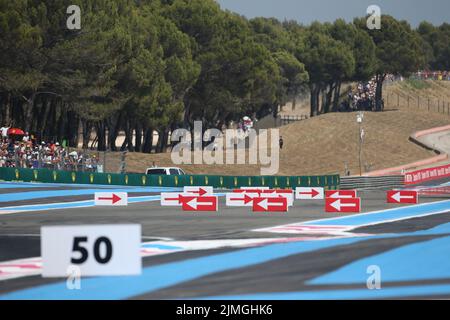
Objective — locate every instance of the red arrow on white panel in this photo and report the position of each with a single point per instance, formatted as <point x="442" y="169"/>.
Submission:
<point x="240" y="199"/>
<point x="174" y="198"/>
<point x="309" y="193"/>
<point x="200" y="191"/>
<point x="205" y="203"/>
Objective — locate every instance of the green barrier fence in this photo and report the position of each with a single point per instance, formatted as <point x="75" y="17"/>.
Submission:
<point x="329" y="182"/>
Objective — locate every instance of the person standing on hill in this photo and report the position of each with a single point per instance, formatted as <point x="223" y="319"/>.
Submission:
<point x="281" y="142"/>
<point x="4" y="131"/>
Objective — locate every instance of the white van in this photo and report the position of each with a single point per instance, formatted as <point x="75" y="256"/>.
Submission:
<point x="165" y="171"/>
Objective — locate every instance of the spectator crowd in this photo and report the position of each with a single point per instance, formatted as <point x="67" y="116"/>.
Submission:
<point x="364" y="96"/>
<point x="432" y="75"/>
<point x="361" y="98"/>
<point x="26" y="152"/>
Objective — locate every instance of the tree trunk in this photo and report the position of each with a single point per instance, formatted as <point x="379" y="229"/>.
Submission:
<point x="51" y="129"/>
<point x="148" y="140"/>
<point x="101" y="135"/>
<point x="337" y="95"/>
<point x="328" y="97"/>
<point x="114" y="124"/>
<point x="8" y="106"/>
<point x="62" y="124"/>
<point x="72" y="128"/>
<point x="128" y="143"/>
<point x="138" y="141"/>
<point x="186" y="117"/>
<point x="28" y="112"/>
<point x="314" y="99"/>
<point x="379" y="92"/>
<point x="294" y="98"/>
<point x="86" y="133"/>
<point x="165" y="139"/>
<point x="159" y="142"/>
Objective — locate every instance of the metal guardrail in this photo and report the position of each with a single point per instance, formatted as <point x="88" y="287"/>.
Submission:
<point x="284" y="120"/>
<point x="372" y="183"/>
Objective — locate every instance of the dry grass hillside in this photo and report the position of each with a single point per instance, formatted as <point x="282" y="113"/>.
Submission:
<point x="326" y="143"/>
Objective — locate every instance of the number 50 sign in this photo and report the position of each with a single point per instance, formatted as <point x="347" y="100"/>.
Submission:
<point x="96" y="250"/>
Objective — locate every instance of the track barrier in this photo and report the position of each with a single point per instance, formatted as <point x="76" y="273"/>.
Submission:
<point x="329" y="182"/>
<point x="372" y="183"/>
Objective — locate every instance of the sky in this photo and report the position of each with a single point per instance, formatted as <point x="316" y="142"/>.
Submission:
<point x="306" y="11"/>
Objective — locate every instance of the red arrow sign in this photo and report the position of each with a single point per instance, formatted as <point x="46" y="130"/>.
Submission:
<point x="402" y="196"/>
<point x="208" y="203"/>
<point x="335" y="194"/>
<point x="270" y="204"/>
<point x="115" y="198"/>
<point x="343" y="205"/>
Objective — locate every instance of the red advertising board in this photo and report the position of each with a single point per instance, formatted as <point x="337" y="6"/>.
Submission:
<point x="427" y="174"/>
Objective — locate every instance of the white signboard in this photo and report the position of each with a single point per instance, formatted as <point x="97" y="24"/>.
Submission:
<point x="174" y="198"/>
<point x="111" y="198"/>
<point x="288" y="196"/>
<point x="306" y="193"/>
<point x="97" y="250"/>
<point x="199" y="191"/>
<point x="235" y="199"/>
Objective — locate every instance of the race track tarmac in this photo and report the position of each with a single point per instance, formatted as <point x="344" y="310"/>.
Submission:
<point x="235" y="253"/>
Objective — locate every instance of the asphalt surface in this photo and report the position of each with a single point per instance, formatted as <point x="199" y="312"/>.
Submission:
<point x="221" y="271"/>
<point x="440" y="140"/>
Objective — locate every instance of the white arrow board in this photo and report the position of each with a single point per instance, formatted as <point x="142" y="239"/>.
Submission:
<point x="111" y="198"/>
<point x="288" y="196"/>
<point x="199" y="191"/>
<point x="309" y="193"/>
<point x="235" y="199"/>
<point x="173" y="198"/>
<point x="95" y="250"/>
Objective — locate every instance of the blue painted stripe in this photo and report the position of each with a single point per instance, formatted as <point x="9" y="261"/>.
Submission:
<point x="5" y="185"/>
<point x="386" y="215"/>
<point x="353" y="294"/>
<point x="160" y="246"/>
<point x="71" y="205"/>
<point x="162" y="276"/>
<point x="10" y="197"/>
<point x="157" y="277"/>
<point x="76" y="204"/>
<point x="419" y="261"/>
<point x="19" y="185"/>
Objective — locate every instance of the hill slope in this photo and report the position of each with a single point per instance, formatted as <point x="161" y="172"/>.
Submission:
<point x="324" y="144"/>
